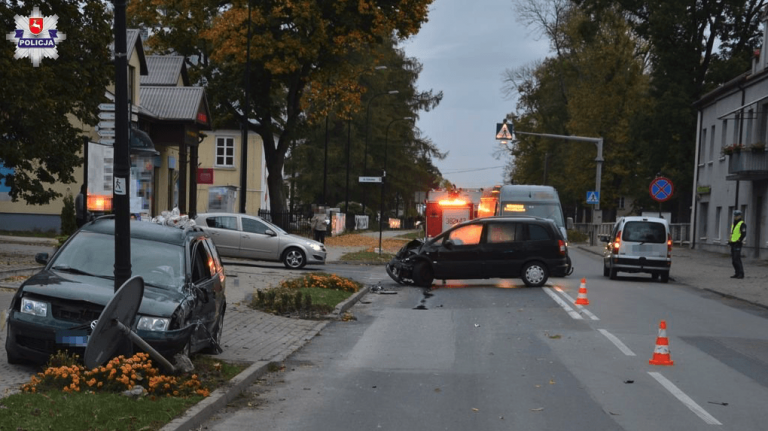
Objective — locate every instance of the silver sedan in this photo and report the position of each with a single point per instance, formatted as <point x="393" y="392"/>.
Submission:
<point x="251" y="237"/>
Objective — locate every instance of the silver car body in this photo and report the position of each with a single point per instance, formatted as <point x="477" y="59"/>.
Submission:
<point x="251" y="237"/>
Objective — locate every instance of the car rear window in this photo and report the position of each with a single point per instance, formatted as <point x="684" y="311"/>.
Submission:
<point x="644" y="231"/>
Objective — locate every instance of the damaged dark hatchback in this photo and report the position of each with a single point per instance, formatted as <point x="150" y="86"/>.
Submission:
<point x="531" y="248"/>
<point x="182" y="310"/>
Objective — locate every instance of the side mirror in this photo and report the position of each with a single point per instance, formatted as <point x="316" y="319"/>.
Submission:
<point x="41" y="258"/>
<point x="270" y="232"/>
<point x="569" y="223"/>
<point x="448" y="244"/>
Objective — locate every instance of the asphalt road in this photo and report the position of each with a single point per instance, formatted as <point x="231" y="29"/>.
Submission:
<point x="491" y="354"/>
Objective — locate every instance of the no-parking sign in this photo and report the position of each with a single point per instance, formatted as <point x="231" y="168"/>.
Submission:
<point x="661" y="189"/>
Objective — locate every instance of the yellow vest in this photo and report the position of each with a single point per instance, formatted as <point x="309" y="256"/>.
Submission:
<point x="736" y="231"/>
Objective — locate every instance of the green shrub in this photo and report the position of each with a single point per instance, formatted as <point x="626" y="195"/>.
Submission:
<point x="577" y="236"/>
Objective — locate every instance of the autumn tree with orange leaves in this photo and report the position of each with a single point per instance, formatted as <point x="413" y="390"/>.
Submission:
<point x="298" y="53"/>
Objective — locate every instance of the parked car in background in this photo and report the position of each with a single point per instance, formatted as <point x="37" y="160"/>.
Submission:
<point x="251" y="237"/>
<point x="531" y="248"/>
<point x="638" y="244"/>
<point x="182" y="309"/>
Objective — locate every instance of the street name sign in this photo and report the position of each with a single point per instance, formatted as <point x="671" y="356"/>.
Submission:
<point x="370" y="179"/>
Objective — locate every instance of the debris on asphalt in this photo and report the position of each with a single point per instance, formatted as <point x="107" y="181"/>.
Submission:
<point x="718" y="403"/>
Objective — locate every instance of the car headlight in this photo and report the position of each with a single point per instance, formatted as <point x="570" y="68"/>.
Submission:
<point x="155" y="324"/>
<point x="315" y="247"/>
<point x="35" y="308"/>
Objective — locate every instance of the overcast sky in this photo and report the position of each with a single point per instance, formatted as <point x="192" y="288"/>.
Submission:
<point x="465" y="48"/>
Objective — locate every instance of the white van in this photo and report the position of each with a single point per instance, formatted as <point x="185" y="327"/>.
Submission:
<point x="638" y="244"/>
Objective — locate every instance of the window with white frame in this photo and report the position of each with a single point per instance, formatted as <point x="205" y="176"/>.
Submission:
<point x="712" y="144"/>
<point x="718" y="211"/>
<point x="225" y="152"/>
<point x="736" y="131"/>
<point x="724" y="132"/>
<point x="703" y="143"/>
<point x="620" y="203"/>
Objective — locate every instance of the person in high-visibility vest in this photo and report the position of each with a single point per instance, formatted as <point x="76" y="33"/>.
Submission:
<point x="738" y="234"/>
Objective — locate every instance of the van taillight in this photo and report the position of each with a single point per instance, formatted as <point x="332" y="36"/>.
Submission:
<point x="669" y="245"/>
<point x="561" y="243"/>
<point x="617" y="243"/>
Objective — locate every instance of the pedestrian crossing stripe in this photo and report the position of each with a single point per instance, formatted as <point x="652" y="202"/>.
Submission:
<point x="503" y="132"/>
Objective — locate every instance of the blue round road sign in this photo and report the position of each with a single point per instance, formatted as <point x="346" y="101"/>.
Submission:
<point x="661" y="189"/>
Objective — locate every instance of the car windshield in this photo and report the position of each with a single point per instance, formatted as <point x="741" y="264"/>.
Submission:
<point x="160" y="264"/>
<point x="544" y="210"/>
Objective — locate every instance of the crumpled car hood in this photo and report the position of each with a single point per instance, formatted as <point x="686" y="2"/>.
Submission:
<point x="156" y="302"/>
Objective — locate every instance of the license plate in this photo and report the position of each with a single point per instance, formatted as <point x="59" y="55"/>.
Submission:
<point x="72" y="338"/>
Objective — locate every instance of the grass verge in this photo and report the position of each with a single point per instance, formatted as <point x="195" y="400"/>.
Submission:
<point x="53" y="409"/>
<point x="367" y="256"/>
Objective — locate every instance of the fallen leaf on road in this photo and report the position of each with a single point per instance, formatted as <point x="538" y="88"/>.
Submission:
<point x="475" y="410"/>
<point x="538" y="409"/>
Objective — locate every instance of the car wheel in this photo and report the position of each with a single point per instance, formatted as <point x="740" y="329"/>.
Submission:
<point x="215" y="348"/>
<point x="665" y="277"/>
<point x="294" y="258"/>
<point x="613" y="273"/>
<point x="422" y="274"/>
<point x="606" y="271"/>
<point x="655" y="276"/>
<point x="535" y="274"/>
<point x="392" y="275"/>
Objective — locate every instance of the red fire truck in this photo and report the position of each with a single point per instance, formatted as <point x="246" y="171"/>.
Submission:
<point x="446" y="208"/>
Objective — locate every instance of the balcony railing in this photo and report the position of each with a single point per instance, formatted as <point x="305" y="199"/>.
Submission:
<point x="748" y="165"/>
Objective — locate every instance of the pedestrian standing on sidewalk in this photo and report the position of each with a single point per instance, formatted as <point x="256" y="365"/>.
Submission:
<point x="81" y="210"/>
<point x="319" y="224"/>
<point x="738" y="234"/>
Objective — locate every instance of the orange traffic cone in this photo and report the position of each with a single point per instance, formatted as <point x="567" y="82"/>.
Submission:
<point x="582" y="298"/>
<point x="661" y="352"/>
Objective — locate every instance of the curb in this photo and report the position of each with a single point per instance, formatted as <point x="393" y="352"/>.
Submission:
<point x="205" y="409"/>
<point x="12" y="272"/>
<point x="202" y="411"/>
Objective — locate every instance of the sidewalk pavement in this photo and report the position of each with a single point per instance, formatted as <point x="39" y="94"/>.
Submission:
<point x="259" y="339"/>
<point x="712" y="271"/>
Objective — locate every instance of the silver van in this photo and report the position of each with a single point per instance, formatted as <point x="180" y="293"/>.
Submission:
<point x="638" y="244"/>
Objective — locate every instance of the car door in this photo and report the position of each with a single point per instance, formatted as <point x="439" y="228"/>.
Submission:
<point x="503" y="250"/>
<point x="458" y="255"/>
<point x="225" y="234"/>
<point x="256" y="243"/>
<point x="207" y="290"/>
<point x="541" y="242"/>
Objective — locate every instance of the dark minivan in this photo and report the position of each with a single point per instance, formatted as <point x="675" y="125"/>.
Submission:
<point x="531" y="248"/>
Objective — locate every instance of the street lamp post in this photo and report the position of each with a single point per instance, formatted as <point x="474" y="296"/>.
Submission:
<point x="367" y="122"/>
<point x="384" y="177"/>
<point x="598" y="173"/>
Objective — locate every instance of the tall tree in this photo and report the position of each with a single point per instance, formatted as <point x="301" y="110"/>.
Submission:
<point x="592" y="88"/>
<point x="693" y="47"/>
<point x="42" y="109"/>
<point x="298" y="53"/>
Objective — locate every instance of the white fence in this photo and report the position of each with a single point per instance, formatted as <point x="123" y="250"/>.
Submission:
<point x="681" y="232"/>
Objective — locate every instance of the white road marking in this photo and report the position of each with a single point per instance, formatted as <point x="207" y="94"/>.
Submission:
<point x="624" y="349"/>
<point x="562" y="303"/>
<point x="573" y="301"/>
<point x="685" y="399"/>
